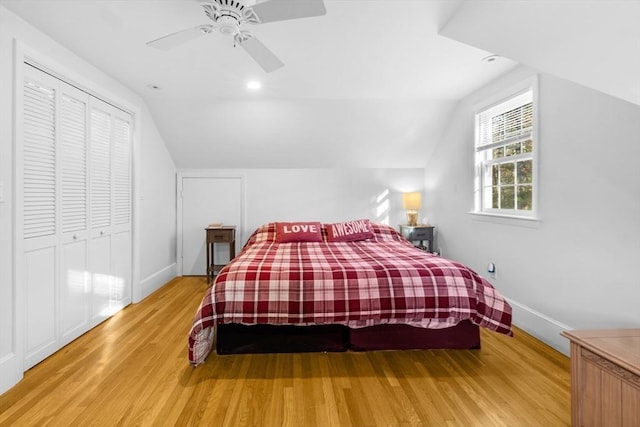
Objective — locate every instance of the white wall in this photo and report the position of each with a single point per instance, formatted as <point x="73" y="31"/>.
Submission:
<point x="266" y="132"/>
<point x="326" y="195"/>
<point x="154" y="219"/>
<point x="576" y="267"/>
<point x="157" y="223"/>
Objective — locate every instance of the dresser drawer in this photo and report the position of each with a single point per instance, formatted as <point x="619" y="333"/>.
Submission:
<point x="220" y="235"/>
<point x="416" y="232"/>
<point x="421" y="234"/>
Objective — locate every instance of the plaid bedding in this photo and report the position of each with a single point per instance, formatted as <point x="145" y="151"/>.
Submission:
<point x="362" y="283"/>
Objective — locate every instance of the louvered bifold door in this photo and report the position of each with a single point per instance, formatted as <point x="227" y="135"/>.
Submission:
<point x="74" y="200"/>
<point x="110" y="139"/>
<point x="100" y="167"/>
<point x="121" y="171"/>
<point x="121" y="211"/>
<point x="74" y="207"/>
<point x="38" y="182"/>
<point x="100" y="135"/>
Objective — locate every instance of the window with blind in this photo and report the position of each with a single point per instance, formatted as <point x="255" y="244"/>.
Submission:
<point x="505" y="157"/>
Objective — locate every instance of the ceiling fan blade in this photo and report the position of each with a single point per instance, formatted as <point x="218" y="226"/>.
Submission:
<point x="261" y="54"/>
<point x="280" y="10"/>
<point x="176" y="39"/>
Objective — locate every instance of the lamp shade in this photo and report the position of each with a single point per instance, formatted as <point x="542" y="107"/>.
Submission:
<point x="412" y="201"/>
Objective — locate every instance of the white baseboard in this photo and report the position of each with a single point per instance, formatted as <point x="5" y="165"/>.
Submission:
<point x="540" y="326"/>
<point x="152" y="283"/>
<point x="10" y="371"/>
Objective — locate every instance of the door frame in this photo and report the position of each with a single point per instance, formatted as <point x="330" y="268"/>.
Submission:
<point x="179" y="215"/>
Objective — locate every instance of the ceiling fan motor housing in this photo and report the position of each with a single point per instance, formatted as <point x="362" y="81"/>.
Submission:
<point x="229" y="15"/>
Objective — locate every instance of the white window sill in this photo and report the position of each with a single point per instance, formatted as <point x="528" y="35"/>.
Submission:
<point x="521" y="221"/>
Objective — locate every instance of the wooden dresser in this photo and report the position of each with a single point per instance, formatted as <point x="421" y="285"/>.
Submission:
<point x="605" y="377"/>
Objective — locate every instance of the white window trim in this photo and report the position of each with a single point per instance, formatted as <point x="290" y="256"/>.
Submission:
<point x="498" y="98"/>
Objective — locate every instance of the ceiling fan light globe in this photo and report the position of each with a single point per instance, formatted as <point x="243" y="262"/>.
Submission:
<point x="228" y="25"/>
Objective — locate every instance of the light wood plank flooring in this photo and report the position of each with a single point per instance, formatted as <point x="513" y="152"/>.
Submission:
<point x="133" y="370"/>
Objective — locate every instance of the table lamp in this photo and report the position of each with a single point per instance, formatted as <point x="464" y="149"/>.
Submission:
<point x="412" y="203"/>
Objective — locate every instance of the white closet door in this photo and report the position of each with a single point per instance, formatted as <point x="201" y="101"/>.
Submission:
<point x="101" y="280"/>
<point x="205" y="200"/>
<point x="121" y="170"/>
<point x="74" y="200"/>
<point x="100" y="209"/>
<point x="100" y="167"/>
<point x="121" y="213"/>
<point x="38" y="180"/>
<point x="110" y="209"/>
<point x="73" y="293"/>
<point x="39" y="156"/>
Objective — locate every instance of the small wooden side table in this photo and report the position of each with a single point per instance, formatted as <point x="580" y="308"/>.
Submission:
<point x="605" y="377"/>
<point x="225" y="234"/>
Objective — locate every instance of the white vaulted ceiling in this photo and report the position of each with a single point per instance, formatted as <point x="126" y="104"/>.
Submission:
<point x="592" y="42"/>
<point x="369" y="84"/>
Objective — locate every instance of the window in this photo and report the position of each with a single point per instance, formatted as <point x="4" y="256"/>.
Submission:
<point x="505" y="157"/>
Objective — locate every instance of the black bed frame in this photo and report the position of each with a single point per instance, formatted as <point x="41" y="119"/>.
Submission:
<point x="235" y="338"/>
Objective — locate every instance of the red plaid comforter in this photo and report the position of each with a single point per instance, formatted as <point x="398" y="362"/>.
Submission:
<point x="380" y="280"/>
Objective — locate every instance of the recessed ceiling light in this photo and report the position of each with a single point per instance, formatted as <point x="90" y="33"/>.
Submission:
<point x="154" y="87"/>
<point x="490" y="58"/>
<point x="254" y="85"/>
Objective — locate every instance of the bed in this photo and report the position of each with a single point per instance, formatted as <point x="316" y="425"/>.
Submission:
<point x="356" y="285"/>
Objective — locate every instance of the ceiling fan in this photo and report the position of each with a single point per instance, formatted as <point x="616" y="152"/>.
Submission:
<point x="229" y="16"/>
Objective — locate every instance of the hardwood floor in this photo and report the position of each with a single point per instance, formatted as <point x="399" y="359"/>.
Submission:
<point x="133" y="370"/>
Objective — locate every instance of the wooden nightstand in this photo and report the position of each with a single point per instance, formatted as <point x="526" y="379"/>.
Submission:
<point x="225" y="234"/>
<point x="419" y="233"/>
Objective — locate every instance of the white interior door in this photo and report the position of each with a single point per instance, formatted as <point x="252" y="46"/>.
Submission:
<point x="206" y="200"/>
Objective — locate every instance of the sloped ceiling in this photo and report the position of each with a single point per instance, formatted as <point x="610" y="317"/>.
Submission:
<point x="592" y="42"/>
<point x="370" y="84"/>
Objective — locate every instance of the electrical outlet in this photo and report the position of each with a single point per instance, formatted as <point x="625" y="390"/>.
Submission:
<point x="491" y="270"/>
